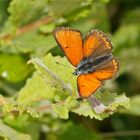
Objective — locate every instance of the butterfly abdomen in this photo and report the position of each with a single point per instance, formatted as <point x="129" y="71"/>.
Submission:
<point x="102" y="59"/>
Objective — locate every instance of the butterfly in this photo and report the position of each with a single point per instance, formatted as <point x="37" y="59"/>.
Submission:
<point x="90" y="55"/>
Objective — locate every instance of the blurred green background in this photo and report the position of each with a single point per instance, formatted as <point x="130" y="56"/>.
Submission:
<point x="26" y="32"/>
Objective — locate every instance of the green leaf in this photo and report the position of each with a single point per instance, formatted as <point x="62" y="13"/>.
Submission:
<point x="131" y="17"/>
<point x="11" y="67"/>
<point x="54" y="76"/>
<point x="11" y="108"/>
<point x="77" y="131"/>
<point x="112" y="101"/>
<point x="11" y="134"/>
<point x="25" y="8"/>
<point x="50" y="76"/>
<point x="128" y="65"/>
<point x="135" y="106"/>
<point x="3" y="100"/>
<point x="35" y="90"/>
<point x="33" y="43"/>
<point x="100" y="20"/>
<point x="80" y="12"/>
<point x="71" y="102"/>
<point x="3" y="12"/>
<point x="62" y="68"/>
<point x="58" y="8"/>
<point x="126" y="37"/>
<point x="61" y="110"/>
<point x="47" y="82"/>
<point x="47" y="28"/>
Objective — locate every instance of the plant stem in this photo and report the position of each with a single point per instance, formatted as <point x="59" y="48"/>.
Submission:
<point x="121" y="133"/>
<point x="34" y="25"/>
<point x="45" y="107"/>
<point x="28" y="27"/>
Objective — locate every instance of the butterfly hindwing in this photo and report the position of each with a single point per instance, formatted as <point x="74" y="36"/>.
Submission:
<point x="108" y="70"/>
<point x="89" y="83"/>
<point x="96" y="44"/>
<point x="70" y="41"/>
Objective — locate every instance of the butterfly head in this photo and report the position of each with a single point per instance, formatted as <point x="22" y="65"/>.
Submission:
<point x="76" y="72"/>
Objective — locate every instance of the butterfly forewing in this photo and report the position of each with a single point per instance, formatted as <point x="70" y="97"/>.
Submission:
<point x="70" y="41"/>
<point x="87" y="84"/>
<point x="96" y="44"/>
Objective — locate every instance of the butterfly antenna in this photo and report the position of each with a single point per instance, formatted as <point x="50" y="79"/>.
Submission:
<point x="63" y="65"/>
<point x="67" y="67"/>
<point x="70" y="78"/>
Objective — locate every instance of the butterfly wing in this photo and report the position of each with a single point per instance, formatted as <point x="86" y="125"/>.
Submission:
<point x="70" y="41"/>
<point x="108" y="70"/>
<point x="89" y="83"/>
<point x="96" y="43"/>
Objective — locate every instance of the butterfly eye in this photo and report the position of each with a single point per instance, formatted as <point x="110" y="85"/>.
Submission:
<point x="76" y="72"/>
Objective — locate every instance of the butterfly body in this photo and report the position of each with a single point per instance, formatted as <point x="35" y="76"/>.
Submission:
<point x="90" y="65"/>
<point x="90" y="55"/>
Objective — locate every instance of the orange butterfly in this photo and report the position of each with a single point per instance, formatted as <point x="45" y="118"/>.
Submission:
<point x="90" y="55"/>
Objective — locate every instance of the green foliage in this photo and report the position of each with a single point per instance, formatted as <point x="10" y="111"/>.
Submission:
<point x="3" y="12"/>
<point x="34" y="90"/>
<point x="130" y="36"/>
<point x="112" y="101"/>
<point x="28" y="43"/>
<point x="45" y="84"/>
<point x="135" y="101"/>
<point x="58" y="8"/>
<point x="43" y="102"/>
<point x="11" y="67"/>
<point x="35" y="8"/>
<point x="73" y="131"/>
<point x="12" y="134"/>
<point x="60" y="92"/>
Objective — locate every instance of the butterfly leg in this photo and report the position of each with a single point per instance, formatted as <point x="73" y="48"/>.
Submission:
<point x="97" y="105"/>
